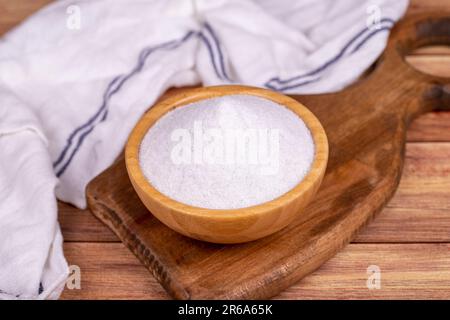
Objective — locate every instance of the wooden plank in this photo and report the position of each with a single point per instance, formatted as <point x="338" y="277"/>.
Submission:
<point x="81" y="225"/>
<point x="408" y="271"/>
<point x="430" y="127"/>
<point x="403" y="225"/>
<point x="411" y="271"/>
<point x="420" y="209"/>
<point x="110" y="271"/>
<point x="426" y="178"/>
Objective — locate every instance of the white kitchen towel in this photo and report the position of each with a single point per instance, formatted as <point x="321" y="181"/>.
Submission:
<point x="76" y="76"/>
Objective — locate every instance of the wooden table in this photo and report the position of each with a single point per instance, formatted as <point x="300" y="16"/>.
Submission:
<point x="409" y="241"/>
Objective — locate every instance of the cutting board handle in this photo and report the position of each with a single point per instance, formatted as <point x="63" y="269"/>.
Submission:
<point x="427" y="92"/>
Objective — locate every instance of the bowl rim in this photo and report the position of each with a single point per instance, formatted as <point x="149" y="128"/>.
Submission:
<point x="188" y="96"/>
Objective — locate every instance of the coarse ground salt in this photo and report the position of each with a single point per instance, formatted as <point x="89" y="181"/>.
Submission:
<point x="227" y="152"/>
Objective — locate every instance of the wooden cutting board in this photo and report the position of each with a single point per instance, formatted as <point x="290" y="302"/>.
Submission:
<point x="366" y="126"/>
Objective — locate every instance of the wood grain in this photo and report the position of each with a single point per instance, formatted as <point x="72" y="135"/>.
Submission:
<point x="430" y="127"/>
<point x="434" y="188"/>
<point x="408" y="271"/>
<point x="82" y="226"/>
<point x="413" y="271"/>
<point x="110" y="271"/>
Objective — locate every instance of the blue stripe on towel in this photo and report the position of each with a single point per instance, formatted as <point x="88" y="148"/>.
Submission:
<point x="211" y="55"/>
<point x="219" y="50"/>
<point x="330" y="62"/>
<point x="370" y="35"/>
<point x="87" y="124"/>
<point x="293" y="86"/>
<point x="79" y="134"/>
<point x="357" y="47"/>
<point x="9" y="294"/>
<point x="41" y="288"/>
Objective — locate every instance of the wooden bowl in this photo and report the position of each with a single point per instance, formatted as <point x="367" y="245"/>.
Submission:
<point x="234" y="225"/>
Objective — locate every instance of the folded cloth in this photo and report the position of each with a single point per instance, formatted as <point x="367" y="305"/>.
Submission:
<point x="76" y="76"/>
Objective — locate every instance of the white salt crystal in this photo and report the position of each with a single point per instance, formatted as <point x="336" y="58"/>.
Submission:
<point x="228" y="152"/>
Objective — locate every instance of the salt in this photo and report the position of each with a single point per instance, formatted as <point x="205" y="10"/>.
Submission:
<point x="227" y="152"/>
